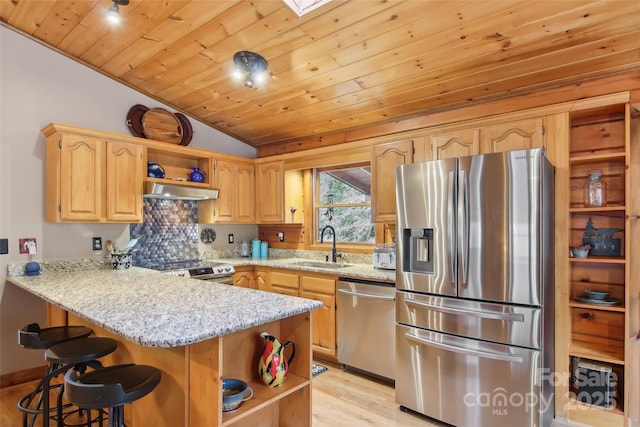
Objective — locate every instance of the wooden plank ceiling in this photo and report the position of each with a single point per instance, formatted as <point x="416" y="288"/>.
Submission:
<point x="345" y="65"/>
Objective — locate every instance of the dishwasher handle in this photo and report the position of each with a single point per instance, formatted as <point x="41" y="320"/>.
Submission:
<point x="365" y="295"/>
<point x="465" y="351"/>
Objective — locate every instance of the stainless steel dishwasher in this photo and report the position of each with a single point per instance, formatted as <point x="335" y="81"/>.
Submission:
<point x="366" y="326"/>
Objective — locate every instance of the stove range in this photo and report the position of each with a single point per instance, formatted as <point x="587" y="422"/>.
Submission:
<point x="196" y="269"/>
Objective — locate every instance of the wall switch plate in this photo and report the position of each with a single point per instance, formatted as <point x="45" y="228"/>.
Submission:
<point x="4" y="246"/>
<point x="96" y="243"/>
<point x="281" y="236"/>
<point x="230" y="238"/>
<point x="23" y="244"/>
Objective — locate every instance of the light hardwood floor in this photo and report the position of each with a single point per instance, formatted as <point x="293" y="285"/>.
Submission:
<point x="340" y="398"/>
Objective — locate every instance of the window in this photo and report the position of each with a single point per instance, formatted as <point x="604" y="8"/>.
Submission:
<point x="342" y="199"/>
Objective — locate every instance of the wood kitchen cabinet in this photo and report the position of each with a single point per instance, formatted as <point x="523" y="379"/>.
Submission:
<point x="384" y="160"/>
<point x="284" y="283"/>
<point x="513" y="135"/>
<point x="237" y="200"/>
<point x="270" y="192"/>
<point x="93" y="179"/>
<point x="444" y="145"/>
<point x="243" y="277"/>
<point x="323" y="333"/>
<point x="320" y="287"/>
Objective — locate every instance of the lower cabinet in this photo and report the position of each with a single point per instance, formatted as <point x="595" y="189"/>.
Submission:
<point x="323" y="331"/>
<point x="243" y="277"/>
<point x="318" y="287"/>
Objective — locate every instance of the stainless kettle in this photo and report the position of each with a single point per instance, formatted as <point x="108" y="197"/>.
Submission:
<point x="245" y="249"/>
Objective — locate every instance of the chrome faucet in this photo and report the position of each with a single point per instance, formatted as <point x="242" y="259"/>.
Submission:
<point x="334" y="253"/>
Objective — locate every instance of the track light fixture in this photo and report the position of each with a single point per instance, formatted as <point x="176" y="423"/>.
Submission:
<point x="251" y="64"/>
<point x="113" y="14"/>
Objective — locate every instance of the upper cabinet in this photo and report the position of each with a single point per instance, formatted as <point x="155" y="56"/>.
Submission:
<point x="93" y="179"/>
<point x="270" y="192"/>
<point x="460" y="143"/>
<point x="384" y="160"/>
<point x="237" y="202"/>
<point x="514" y="135"/>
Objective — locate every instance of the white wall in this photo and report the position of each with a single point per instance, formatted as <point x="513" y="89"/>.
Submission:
<point x="39" y="86"/>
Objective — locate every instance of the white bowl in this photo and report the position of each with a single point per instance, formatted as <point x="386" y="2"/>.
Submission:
<point x="580" y="253"/>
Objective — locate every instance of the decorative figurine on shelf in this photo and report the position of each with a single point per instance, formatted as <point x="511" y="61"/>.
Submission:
<point x="273" y="366"/>
<point x="197" y="175"/>
<point x="32" y="268"/>
<point x="601" y="240"/>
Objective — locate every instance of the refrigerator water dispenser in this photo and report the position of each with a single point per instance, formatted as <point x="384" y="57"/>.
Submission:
<point x="419" y="254"/>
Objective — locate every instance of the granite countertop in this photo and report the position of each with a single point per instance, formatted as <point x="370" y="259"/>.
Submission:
<point x="158" y="310"/>
<point x="358" y="271"/>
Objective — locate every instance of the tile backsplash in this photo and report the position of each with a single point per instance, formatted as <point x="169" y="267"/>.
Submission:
<point x="168" y="233"/>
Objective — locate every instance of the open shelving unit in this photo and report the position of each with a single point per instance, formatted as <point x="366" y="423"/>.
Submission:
<point x="599" y="140"/>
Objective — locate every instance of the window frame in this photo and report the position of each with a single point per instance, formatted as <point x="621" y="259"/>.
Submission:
<point x="315" y="205"/>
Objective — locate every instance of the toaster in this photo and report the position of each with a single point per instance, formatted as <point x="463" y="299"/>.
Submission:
<point x="384" y="257"/>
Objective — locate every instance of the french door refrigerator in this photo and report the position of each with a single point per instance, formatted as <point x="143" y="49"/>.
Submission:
<point x="474" y="302"/>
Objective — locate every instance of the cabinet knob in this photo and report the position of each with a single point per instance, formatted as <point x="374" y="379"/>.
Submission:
<point x="585" y="315"/>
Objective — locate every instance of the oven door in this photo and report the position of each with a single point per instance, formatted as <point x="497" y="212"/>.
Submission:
<point x="224" y="280"/>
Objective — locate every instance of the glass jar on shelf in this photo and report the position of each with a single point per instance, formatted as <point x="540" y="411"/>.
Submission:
<point x="595" y="190"/>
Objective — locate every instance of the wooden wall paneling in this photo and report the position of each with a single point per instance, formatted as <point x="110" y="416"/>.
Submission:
<point x="293" y="235"/>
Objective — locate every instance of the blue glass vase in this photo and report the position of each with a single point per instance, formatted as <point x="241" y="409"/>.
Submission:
<point x="197" y="175"/>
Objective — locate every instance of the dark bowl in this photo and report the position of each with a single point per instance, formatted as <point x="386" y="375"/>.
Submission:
<point x="599" y="295"/>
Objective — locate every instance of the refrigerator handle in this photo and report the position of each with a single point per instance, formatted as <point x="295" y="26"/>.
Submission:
<point x="464" y="350"/>
<point x="510" y="317"/>
<point x="450" y="228"/>
<point x="463" y="225"/>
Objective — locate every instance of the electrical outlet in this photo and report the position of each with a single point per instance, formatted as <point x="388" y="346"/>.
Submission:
<point x="4" y="246"/>
<point x="230" y="238"/>
<point x="96" y="243"/>
<point x="281" y="236"/>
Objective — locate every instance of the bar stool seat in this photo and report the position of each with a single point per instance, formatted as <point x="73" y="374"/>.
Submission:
<point x="110" y="388"/>
<point x="34" y="337"/>
<point x="76" y="354"/>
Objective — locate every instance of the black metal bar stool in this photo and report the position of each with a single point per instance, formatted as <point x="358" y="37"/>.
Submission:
<point x="77" y="355"/>
<point x="34" y="337"/>
<point x="110" y="388"/>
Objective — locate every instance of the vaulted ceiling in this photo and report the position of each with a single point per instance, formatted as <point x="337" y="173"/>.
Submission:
<point x="346" y="64"/>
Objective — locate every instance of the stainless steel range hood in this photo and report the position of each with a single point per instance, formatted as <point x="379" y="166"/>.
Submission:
<point x="154" y="190"/>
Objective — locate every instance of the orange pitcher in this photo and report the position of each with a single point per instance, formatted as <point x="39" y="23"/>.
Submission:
<point x="273" y="366"/>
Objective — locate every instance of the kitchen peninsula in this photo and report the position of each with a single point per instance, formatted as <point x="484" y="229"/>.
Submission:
<point x="196" y="333"/>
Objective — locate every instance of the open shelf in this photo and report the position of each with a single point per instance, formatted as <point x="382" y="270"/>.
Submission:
<point x="264" y="396"/>
<point x="600" y="353"/>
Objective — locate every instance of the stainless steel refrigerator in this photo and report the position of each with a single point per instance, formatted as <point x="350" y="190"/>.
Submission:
<point x="474" y="302"/>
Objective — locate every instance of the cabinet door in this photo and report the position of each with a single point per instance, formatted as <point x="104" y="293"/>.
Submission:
<point x="246" y="193"/>
<point x="384" y="160"/>
<point x="244" y="279"/>
<point x="226" y="182"/>
<point x="262" y="280"/>
<point x="516" y="135"/>
<point x="125" y="169"/>
<point x="284" y="283"/>
<point x="323" y="334"/>
<point x="81" y="171"/>
<point x="459" y="143"/>
<point x="270" y="192"/>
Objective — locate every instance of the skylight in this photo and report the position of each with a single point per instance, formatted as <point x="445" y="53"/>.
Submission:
<point x="300" y="7"/>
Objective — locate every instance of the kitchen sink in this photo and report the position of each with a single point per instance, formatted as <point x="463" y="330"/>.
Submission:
<point x="320" y="264"/>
